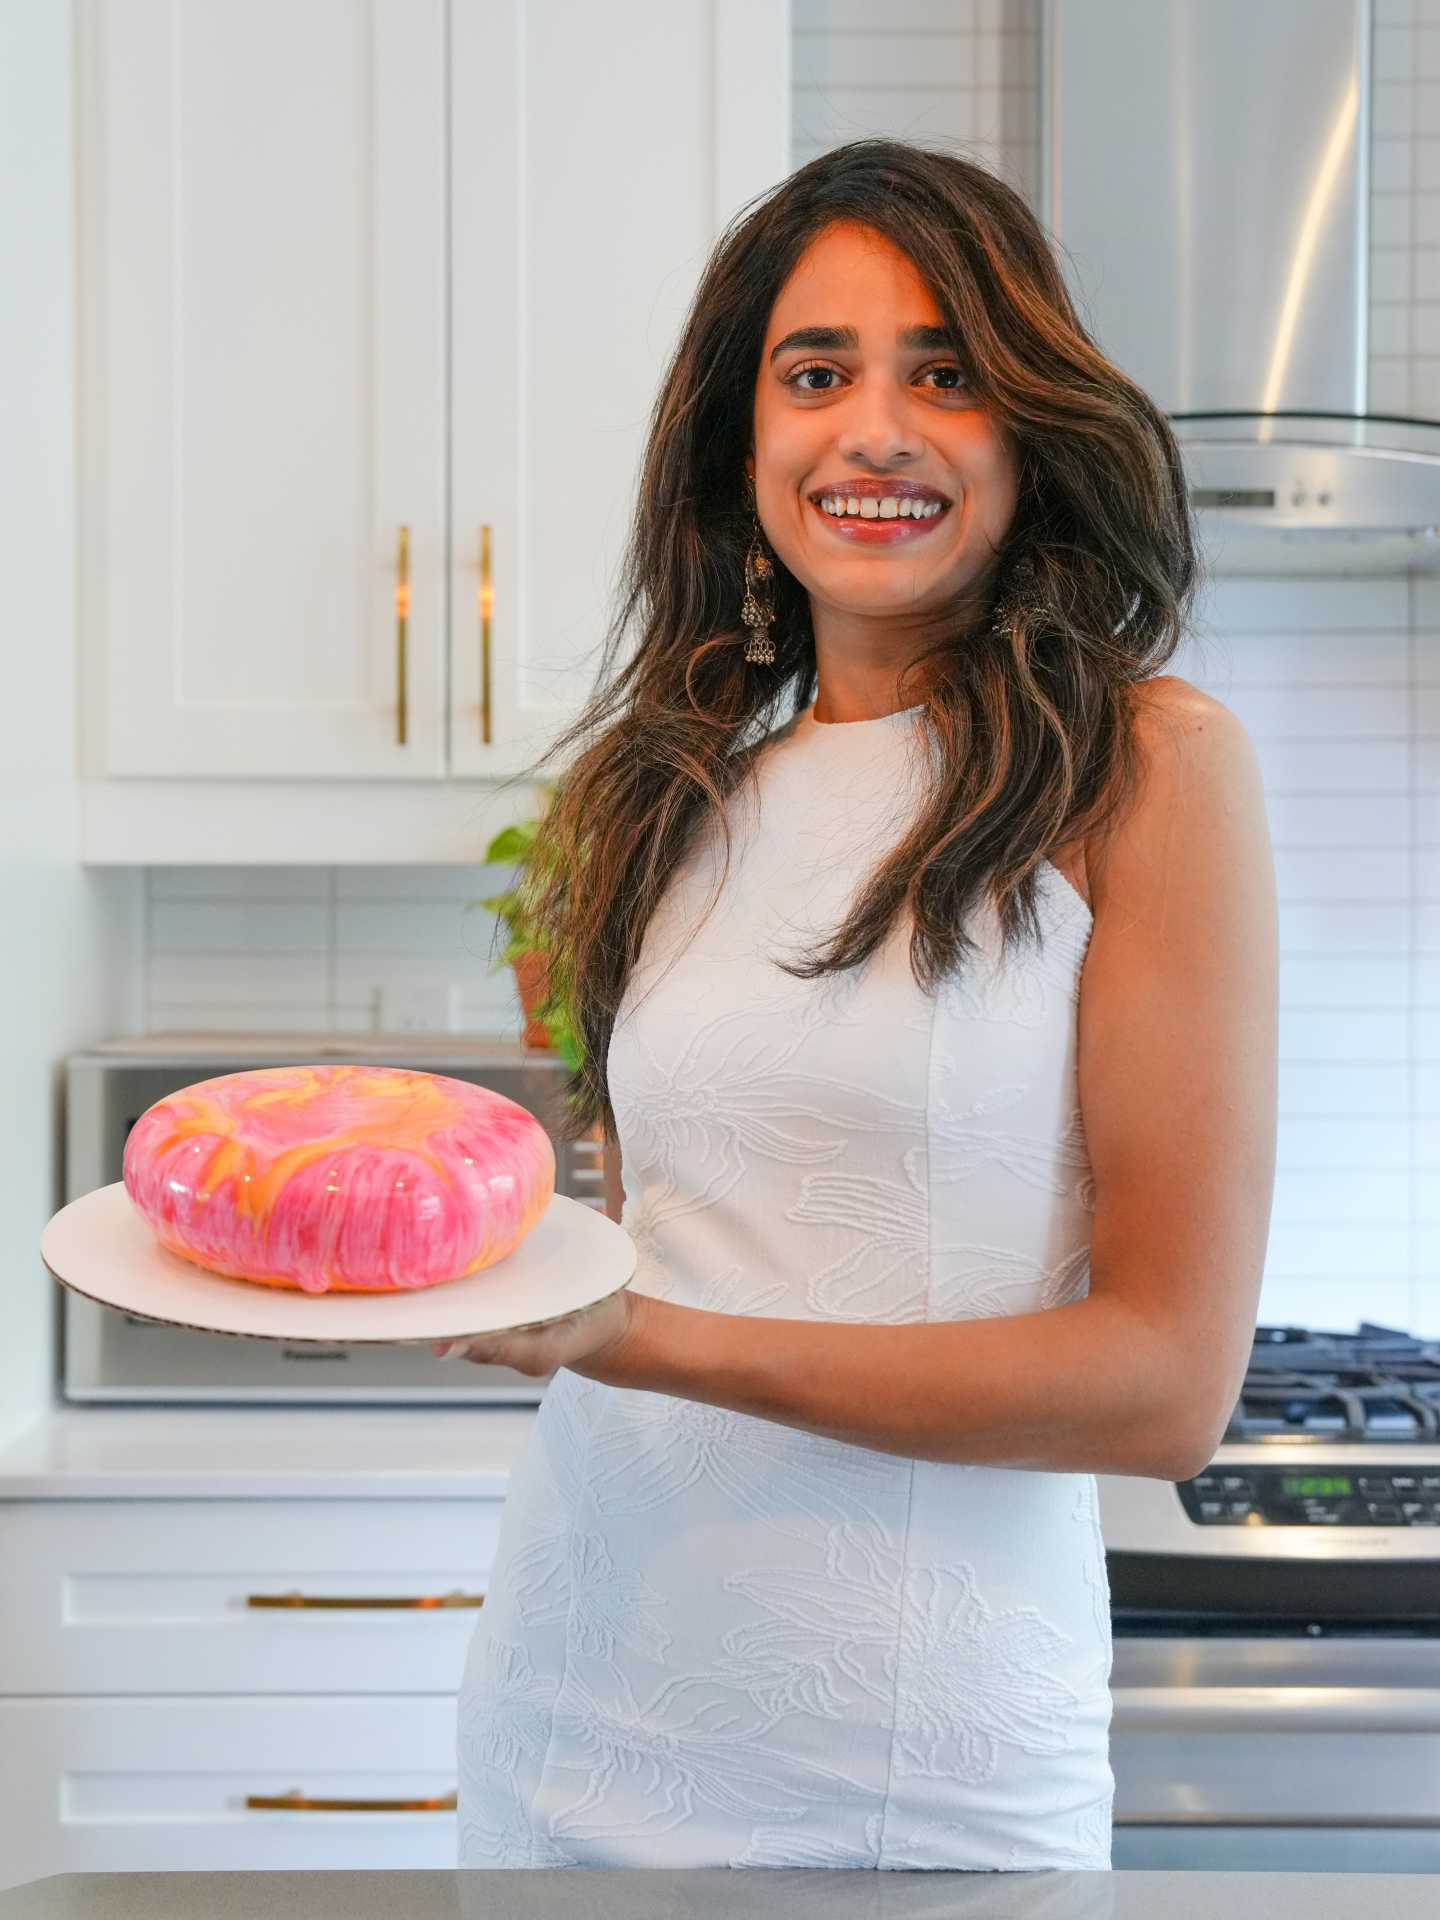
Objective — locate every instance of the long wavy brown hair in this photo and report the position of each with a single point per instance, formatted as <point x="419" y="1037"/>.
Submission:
<point x="1032" y="707"/>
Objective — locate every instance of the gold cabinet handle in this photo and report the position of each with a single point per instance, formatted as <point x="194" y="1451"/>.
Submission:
<point x="402" y="637"/>
<point x="486" y="608"/>
<point x="296" y="1802"/>
<point x="424" y="1601"/>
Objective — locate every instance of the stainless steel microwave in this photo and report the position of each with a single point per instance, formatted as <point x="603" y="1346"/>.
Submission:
<point x="107" y="1355"/>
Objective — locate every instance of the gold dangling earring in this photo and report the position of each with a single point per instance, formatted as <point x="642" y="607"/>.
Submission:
<point x="757" y="609"/>
<point x="1016" y="593"/>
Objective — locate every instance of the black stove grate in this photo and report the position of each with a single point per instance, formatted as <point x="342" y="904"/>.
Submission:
<point x="1376" y="1384"/>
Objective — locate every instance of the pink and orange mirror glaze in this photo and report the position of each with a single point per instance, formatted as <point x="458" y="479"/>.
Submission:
<point x="339" y="1179"/>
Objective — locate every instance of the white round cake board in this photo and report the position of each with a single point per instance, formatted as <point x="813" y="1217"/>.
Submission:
<point x="102" y="1246"/>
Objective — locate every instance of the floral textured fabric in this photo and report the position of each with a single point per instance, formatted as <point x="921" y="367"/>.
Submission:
<point x="712" y="1640"/>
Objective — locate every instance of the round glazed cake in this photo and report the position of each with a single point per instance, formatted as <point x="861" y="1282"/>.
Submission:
<point x="334" y="1179"/>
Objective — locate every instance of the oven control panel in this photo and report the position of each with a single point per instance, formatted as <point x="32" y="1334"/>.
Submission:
<point x="1396" y="1496"/>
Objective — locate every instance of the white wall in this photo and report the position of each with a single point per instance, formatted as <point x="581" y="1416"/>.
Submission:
<point x="69" y="952"/>
<point x="1337" y="683"/>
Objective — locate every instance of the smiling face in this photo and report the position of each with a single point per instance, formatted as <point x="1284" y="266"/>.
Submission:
<point x="860" y="400"/>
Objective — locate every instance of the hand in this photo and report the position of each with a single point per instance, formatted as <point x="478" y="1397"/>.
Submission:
<point x="590" y="1334"/>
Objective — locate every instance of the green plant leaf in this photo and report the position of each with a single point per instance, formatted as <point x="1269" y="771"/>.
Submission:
<point x="512" y="843"/>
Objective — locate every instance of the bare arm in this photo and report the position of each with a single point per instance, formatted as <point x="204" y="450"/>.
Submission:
<point x="614" y="1191"/>
<point x="1177" y="1080"/>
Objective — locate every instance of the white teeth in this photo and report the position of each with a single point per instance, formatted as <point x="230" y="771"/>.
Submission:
<point x="891" y="506"/>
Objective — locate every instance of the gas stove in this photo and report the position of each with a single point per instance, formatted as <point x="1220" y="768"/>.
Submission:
<point x="1323" y="1499"/>
<point x="1276" y="1678"/>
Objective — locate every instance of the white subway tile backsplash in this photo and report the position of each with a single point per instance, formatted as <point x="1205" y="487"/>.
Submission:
<point x="1390" y="387"/>
<point x="1391" y="273"/>
<point x="1337" y="1306"/>
<point x="417" y="926"/>
<point x="400" y="885"/>
<point x="231" y="1017"/>
<point x="238" y="883"/>
<point x="1392" y="217"/>
<point x="1348" y="1090"/>
<point x="1340" y="713"/>
<point x="254" y="926"/>
<point x="1315" y="1145"/>
<point x="1337" y="681"/>
<point x="1427" y="50"/>
<point x="1239" y="658"/>
<point x="1425" y="274"/>
<point x="1363" y="1255"/>
<point x="1297" y="766"/>
<point x="1398" y="164"/>
<point x="1377" y="875"/>
<point x="1344" y="1195"/>
<point x="1389" y="329"/>
<point x="249" y="979"/>
<point x="1393" y="109"/>
<point x="1332" y="603"/>
<point x="1356" y="1035"/>
<point x="1340" y="824"/>
<point x="1393" y="52"/>
<point x="1310" y="926"/>
<point x="1337" y="977"/>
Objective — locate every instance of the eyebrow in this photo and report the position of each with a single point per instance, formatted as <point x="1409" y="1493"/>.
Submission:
<point x="822" y="339"/>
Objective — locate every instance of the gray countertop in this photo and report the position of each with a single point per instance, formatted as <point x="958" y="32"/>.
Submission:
<point x="799" y="1893"/>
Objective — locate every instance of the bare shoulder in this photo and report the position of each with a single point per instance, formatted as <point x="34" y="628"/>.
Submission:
<point x="1197" y="766"/>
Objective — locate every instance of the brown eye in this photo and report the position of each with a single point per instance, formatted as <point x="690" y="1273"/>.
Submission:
<point x="813" y="366"/>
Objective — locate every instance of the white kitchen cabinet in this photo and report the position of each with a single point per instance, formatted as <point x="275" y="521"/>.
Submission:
<point x="183" y="1596"/>
<point x="346" y="271"/>
<point x="263" y="289"/>
<point x="162" y="1785"/>
<point x="149" y="1685"/>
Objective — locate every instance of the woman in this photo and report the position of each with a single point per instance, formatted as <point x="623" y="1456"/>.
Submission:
<point x="926" y="973"/>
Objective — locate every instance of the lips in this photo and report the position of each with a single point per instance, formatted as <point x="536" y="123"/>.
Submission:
<point x="860" y="531"/>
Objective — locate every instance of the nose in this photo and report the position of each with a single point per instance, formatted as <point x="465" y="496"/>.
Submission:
<point x="878" y="427"/>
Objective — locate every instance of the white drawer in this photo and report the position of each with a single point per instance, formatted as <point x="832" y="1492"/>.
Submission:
<point x="107" y="1786"/>
<point x="168" y="1596"/>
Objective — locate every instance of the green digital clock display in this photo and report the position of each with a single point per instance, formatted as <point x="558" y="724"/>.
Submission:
<point x="1301" y="1487"/>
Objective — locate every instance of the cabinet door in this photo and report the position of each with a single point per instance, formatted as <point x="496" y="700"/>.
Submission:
<point x="595" y="154"/>
<point x="262" y="272"/>
<point x="184" y="1596"/>
<point x="166" y="1786"/>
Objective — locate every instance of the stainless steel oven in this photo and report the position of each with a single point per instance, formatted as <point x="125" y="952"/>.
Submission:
<point x="1276" y="1680"/>
<point x="113" y="1356"/>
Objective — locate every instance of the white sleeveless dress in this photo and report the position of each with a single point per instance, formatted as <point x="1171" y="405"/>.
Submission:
<point x="712" y="1640"/>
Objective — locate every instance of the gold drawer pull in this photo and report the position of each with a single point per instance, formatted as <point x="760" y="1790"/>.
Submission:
<point x="296" y="1802"/>
<point x="487" y="608"/>
<point x="455" y="1598"/>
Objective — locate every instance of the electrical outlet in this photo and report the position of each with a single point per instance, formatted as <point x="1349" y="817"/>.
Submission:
<point x="421" y="1007"/>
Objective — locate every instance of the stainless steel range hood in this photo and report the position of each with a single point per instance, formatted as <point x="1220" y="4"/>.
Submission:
<point x="1206" y="171"/>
